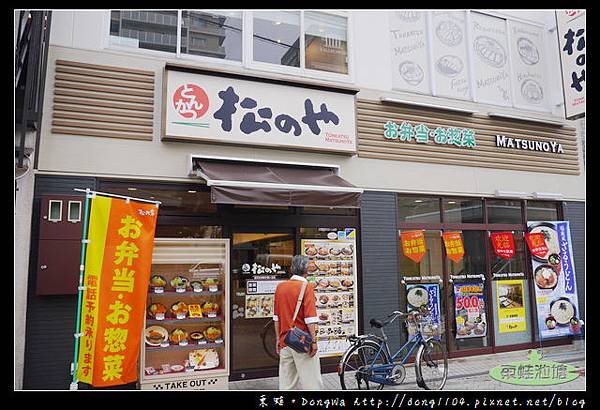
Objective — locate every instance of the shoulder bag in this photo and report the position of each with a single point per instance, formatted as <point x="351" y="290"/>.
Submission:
<point x="296" y="338"/>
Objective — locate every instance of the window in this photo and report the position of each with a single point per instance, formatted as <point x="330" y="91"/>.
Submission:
<point x="463" y="210"/>
<point x="326" y="44"/>
<point x="276" y="37"/>
<point x="74" y="211"/>
<point x="418" y="210"/>
<point x="184" y="231"/>
<point x="504" y="212"/>
<point x="152" y="30"/>
<point x="542" y="211"/>
<point x="55" y="211"/>
<point x="215" y="34"/>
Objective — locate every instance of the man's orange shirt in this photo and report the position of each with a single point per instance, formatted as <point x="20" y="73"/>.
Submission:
<point x="286" y="297"/>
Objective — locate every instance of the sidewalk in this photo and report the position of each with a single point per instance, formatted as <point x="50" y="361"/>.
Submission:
<point x="468" y="373"/>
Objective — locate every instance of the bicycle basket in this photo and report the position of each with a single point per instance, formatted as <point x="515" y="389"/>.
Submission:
<point x="428" y="328"/>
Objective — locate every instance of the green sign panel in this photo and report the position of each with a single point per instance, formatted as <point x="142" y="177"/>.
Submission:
<point x="422" y="134"/>
<point x="534" y="372"/>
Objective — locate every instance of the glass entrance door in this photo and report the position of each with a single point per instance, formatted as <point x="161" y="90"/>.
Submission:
<point x="260" y="259"/>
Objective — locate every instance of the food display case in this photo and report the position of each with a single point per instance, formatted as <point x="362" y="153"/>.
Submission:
<point x="185" y="339"/>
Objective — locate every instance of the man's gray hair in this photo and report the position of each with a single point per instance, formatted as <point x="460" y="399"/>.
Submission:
<point x="299" y="265"/>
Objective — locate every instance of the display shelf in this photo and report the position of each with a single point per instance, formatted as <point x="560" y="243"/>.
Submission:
<point x="185" y="374"/>
<point x="187" y="293"/>
<point x="171" y="321"/>
<point x="192" y="346"/>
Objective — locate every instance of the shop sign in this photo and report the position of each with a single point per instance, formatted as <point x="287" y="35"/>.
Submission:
<point x="511" y="309"/>
<point x="200" y="107"/>
<point x="571" y="40"/>
<point x="421" y="134"/>
<point x="454" y="246"/>
<point x="199" y="383"/>
<point x="534" y="372"/>
<point x="469" y="310"/>
<point x="117" y="274"/>
<point x="555" y="285"/>
<point x="503" y="243"/>
<point x="537" y="244"/>
<point x="527" y="145"/>
<point x="258" y="269"/>
<point x="413" y="245"/>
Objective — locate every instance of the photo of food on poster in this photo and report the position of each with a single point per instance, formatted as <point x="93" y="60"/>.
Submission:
<point x="427" y="294"/>
<point x="511" y="310"/>
<point x="554" y="278"/>
<point x="331" y="268"/>
<point x="469" y="306"/>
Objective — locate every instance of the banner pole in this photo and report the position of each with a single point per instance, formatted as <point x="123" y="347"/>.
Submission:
<point x="80" y="288"/>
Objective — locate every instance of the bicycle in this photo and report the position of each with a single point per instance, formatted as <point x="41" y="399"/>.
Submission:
<point x="368" y="362"/>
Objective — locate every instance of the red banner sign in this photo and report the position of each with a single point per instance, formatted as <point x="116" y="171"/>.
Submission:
<point x="117" y="272"/>
<point x="504" y="244"/>
<point x="454" y="246"/>
<point x="537" y="244"/>
<point x="413" y="245"/>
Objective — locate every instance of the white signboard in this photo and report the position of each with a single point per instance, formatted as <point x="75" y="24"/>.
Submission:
<point x="529" y="66"/>
<point x="410" y="63"/>
<point x="571" y="41"/>
<point x="199" y="107"/>
<point x="490" y="59"/>
<point x="450" y="59"/>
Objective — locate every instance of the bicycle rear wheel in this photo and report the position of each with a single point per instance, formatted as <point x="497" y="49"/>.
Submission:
<point x="431" y="365"/>
<point x="354" y="369"/>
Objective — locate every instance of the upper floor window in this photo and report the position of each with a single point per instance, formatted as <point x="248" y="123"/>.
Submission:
<point x="311" y="43"/>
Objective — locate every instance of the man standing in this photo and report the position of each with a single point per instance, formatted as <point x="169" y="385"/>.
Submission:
<point x="297" y="367"/>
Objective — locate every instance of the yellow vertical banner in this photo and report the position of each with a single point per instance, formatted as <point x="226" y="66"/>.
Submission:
<point x="511" y="307"/>
<point x="117" y="272"/>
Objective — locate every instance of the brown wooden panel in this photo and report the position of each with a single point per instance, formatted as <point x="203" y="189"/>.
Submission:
<point x="86" y="109"/>
<point x="112" y="90"/>
<point x="104" y="67"/>
<point x="104" y="74"/>
<point x="62" y="229"/>
<point x="101" y="118"/>
<point x="79" y="124"/>
<point x="94" y="98"/>
<point x="97" y="133"/>
<point x="371" y="117"/>
<point x="95" y="80"/>
<point x="58" y="267"/>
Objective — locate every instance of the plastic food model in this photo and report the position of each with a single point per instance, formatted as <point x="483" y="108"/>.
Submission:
<point x="179" y="282"/>
<point x="197" y="286"/>
<point x="197" y="336"/>
<point x="178" y="336"/>
<point x="211" y="282"/>
<point x="212" y="333"/>
<point x="179" y="309"/>
<point x="156" y="308"/>
<point x="157" y="281"/>
<point x="210" y="308"/>
<point x="155" y="335"/>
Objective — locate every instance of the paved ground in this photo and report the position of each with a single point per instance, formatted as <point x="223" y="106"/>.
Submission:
<point x="470" y="373"/>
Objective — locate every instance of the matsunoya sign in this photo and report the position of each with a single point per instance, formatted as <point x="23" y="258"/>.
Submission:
<point x="200" y="107"/>
<point x="521" y="143"/>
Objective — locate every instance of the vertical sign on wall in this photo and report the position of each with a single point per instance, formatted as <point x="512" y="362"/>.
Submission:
<point x="410" y="62"/>
<point x="571" y="41"/>
<point x="117" y="273"/>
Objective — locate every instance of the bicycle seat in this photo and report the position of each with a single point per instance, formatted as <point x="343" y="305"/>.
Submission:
<point x="376" y="323"/>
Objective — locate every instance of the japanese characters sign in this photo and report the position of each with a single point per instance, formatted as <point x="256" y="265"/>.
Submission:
<point x="200" y="107"/>
<point x="555" y="283"/>
<point x="511" y="307"/>
<point x="469" y="308"/>
<point x="117" y="272"/>
<point x="503" y="244"/>
<point x="454" y="246"/>
<point x="571" y="40"/>
<point x="534" y="372"/>
<point x="537" y="244"/>
<point x="413" y="245"/>
<point x="422" y="134"/>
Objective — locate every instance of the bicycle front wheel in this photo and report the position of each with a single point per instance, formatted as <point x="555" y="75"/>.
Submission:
<point x="355" y="368"/>
<point x="431" y="365"/>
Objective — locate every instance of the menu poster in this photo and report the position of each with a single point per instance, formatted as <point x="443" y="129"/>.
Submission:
<point x="511" y="309"/>
<point x="555" y="282"/>
<point x="428" y="294"/>
<point x="331" y="269"/>
<point x="469" y="306"/>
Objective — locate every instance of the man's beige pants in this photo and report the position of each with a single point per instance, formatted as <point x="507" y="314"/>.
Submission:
<point x="300" y="368"/>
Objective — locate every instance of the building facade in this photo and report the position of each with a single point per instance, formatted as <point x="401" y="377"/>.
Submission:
<point x="442" y="121"/>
